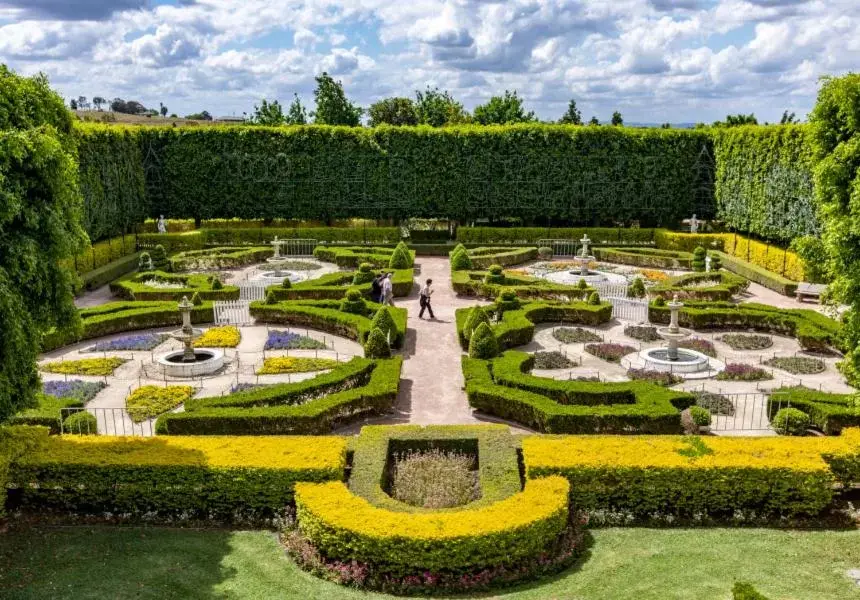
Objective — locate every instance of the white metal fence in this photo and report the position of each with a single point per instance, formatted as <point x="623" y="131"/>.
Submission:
<point x="608" y="289"/>
<point x="559" y="247"/>
<point x="627" y="309"/>
<point x="232" y="312"/>
<point x="108" y="421"/>
<point x="253" y="290"/>
<point x="298" y="247"/>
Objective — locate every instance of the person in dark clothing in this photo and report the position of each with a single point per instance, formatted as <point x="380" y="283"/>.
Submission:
<point x="424" y="299"/>
<point x="376" y="289"/>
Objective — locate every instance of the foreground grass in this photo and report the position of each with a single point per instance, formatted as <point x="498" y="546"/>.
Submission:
<point x="104" y="562"/>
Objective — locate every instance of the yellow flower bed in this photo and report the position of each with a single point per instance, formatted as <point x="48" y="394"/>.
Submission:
<point x="219" y="337"/>
<point x="151" y="400"/>
<point x="85" y="366"/>
<point x="653" y="275"/>
<point x="347" y="526"/>
<point x="295" y="364"/>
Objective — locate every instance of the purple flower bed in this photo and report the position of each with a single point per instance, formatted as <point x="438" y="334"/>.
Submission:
<point x="658" y="377"/>
<point x="73" y="388"/>
<point x="287" y="340"/>
<point x="139" y="341"/>
<point x="742" y="372"/>
<point x="699" y="345"/>
<point x="609" y="352"/>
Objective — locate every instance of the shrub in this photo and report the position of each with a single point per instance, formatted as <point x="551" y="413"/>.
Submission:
<point x="216" y="284"/>
<point x="377" y="345"/>
<point x="458" y="248"/>
<point x="353" y="303"/>
<point x="295" y="364"/>
<point x="552" y="360"/>
<point x="716" y="403"/>
<point x="698" y="262"/>
<point x="196" y="300"/>
<point x="270" y="298"/>
<point x="743" y="341"/>
<point x="716" y="261"/>
<point x="460" y="261"/>
<point x="797" y="365"/>
<point x="227" y="336"/>
<point x="364" y="274"/>
<point x="593" y="299"/>
<point x="144" y="263"/>
<point x="384" y="322"/>
<point x="742" y="372"/>
<point x="645" y="333"/>
<point x="701" y="416"/>
<point x="435" y="479"/>
<point x="286" y="283"/>
<point x="545" y="253"/>
<point x="658" y="377"/>
<point x="477" y="316"/>
<point x="636" y="288"/>
<point x="609" y="352"/>
<point x="507" y="300"/>
<point x="483" y="258"/>
<point x="575" y="335"/>
<point x="151" y="400"/>
<point x="159" y="257"/>
<point x="81" y="423"/>
<point x="582" y="284"/>
<point x="745" y="591"/>
<point x="400" y="258"/>
<point x="85" y="366"/>
<point x="659" y="301"/>
<point x="483" y="344"/>
<point x="790" y="421"/>
<point x="495" y="275"/>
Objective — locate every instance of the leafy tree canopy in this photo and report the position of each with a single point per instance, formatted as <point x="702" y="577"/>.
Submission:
<point x="438" y="108"/>
<point x="572" y="116"/>
<point x="501" y="110"/>
<point x="617" y="119"/>
<point x="333" y="107"/>
<point x="393" y="111"/>
<point x="297" y="113"/>
<point x="268" y="113"/>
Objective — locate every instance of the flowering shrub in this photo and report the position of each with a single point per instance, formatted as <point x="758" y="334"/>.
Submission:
<point x="742" y="372"/>
<point x="699" y="345"/>
<point x="287" y="340"/>
<point x="83" y="391"/>
<point x="797" y="365"/>
<point x="295" y="364"/>
<point x="140" y="341"/>
<point x="609" y="352"/>
<point x="575" y="335"/>
<point x="85" y="366"/>
<point x="659" y="377"/>
<point x="219" y="337"/>
<point x="745" y="341"/>
<point x="151" y="400"/>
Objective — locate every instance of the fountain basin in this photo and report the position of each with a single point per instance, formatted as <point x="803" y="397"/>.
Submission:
<point x="279" y="276"/>
<point x="206" y="361"/>
<point x="688" y="361"/>
<point x="573" y="277"/>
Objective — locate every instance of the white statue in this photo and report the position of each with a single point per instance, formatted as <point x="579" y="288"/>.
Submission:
<point x="694" y="224"/>
<point x="162" y="226"/>
<point x="708" y="263"/>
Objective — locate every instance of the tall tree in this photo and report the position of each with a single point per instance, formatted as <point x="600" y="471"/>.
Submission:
<point x="503" y="109"/>
<point x="666" y="126"/>
<point x="268" y="113"/>
<point x="162" y="109"/>
<point x="393" y="111"/>
<point x="593" y="121"/>
<point x="787" y="118"/>
<point x="98" y="101"/>
<point x="297" y="113"/>
<point x="333" y="107"/>
<point x="737" y="120"/>
<point x="572" y="116"/>
<point x="73" y="104"/>
<point x="83" y="104"/>
<point x="437" y="108"/>
<point x="617" y="119"/>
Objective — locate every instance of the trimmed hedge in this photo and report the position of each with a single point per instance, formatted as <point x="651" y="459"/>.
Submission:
<point x="690" y="476"/>
<point x="116" y="317"/>
<point x="359" y="388"/>
<point x="759" y="275"/>
<point x="813" y="330"/>
<point x="483" y="258"/>
<point x="347" y="527"/>
<point x="47" y="412"/>
<point x="531" y="235"/>
<point x="217" y="477"/>
<point x="334" y="285"/>
<point x="218" y="258"/>
<point x="111" y="271"/>
<point x="132" y="287"/>
<point x="502" y="388"/>
<point x="830" y="413"/>
<point x="325" y="315"/>
<point x="353" y="256"/>
<point x="724" y="286"/>
<point x="645" y="257"/>
<point x="101" y="254"/>
<point x="484" y="284"/>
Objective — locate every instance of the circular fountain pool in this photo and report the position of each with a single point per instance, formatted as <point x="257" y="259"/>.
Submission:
<point x="206" y="361"/>
<point x="278" y="276"/>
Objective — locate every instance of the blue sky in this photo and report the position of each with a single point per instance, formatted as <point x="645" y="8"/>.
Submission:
<point x="653" y="60"/>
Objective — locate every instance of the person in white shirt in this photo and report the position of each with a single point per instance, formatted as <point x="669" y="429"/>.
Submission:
<point x="424" y="298"/>
<point x="387" y="291"/>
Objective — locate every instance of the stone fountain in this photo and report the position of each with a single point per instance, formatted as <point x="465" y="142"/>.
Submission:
<point x="672" y="359"/>
<point x="190" y="361"/>
<point x="276" y="246"/>
<point x="582" y="273"/>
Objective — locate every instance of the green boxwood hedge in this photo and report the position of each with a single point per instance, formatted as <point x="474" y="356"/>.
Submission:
<point x="723" y="286"/>
<point x="353" y="256"/>
<point x="828" y="412"/>
<point x="218" y="258"/>
<point x="645" y="257"/>
<point x="334" y="286"/>
<point x="531" y="235"/>
<point x="759" y="275"/>
<point x="483" y="258"/>
<point x="131" y="287"/>
<point x="475" y="283"/>
<point x="502" y="387"/>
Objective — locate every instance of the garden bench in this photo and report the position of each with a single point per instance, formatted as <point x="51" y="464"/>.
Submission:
<point x="809" y="290"/>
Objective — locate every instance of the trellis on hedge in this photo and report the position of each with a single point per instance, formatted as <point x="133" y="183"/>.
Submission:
<point x="298" y="247"/>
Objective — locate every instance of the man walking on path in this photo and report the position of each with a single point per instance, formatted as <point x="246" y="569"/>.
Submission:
<point x="424" y="299"/>
<point x="387" y="290"/>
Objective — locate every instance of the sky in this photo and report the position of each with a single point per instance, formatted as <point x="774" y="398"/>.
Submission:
<point x="653" y="60"/>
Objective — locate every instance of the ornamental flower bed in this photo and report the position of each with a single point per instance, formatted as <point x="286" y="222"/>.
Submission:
<point x="287" y="340"/>
<point x="140" y="341"/>
<point x="552" y="360"/>
<point x="219" y="337"/>
<point x="151" y="400"/>
<point x="644" y="333"/>
<point x="609" y="352"/>
<point x="716" y="403"/>
<point x="742" y="372"/>
<point x="699" y="345"/>
<point x="295" y="364"/>
<point x="575" y="335"/>
<point x="85" y="366"/>
<point x="744" y="341"/>
<point x="797" y="365"/>
<point x="658" y="377"/>
<point x="76" y="389"/>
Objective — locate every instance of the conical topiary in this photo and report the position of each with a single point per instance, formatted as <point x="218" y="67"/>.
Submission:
<point x="400" y="258"/>
<point x="384" y="322"/>
<point x="376" y="345"/>
<point x="286" y="283"/>
<point x="583" y="285"/>
<point x="483" y="343"/>
<point x="353" y="303"/>
<point x="698" y="262"/>
<point x="476" y="316"/>
<point x="270" y="297"/>
<point x="216" y="284"/>
<point x="636" y="288"/>
<point x="458" y="248"/>
<point x="460" y="261"/>
<point x="659" y="301"/>
<point x="594" y="299"/>
<point x="196" y="300"/>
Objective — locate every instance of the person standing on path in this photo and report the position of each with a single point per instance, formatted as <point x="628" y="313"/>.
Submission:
<point x="387" y="291"/>
<point x="376" y="288"/>
<point x="424" y="300"/>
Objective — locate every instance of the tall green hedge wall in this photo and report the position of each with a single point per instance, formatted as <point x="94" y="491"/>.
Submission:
<point x="764" y="180"/>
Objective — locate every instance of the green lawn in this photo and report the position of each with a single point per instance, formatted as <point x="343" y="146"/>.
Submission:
<point x="115" y="563"/>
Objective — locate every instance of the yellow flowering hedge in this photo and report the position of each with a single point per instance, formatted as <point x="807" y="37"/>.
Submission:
<point x="348" y="527"/>
<point x="295" y="364"/>
<point x="151" y="400"/>
<point x="219" y="337"/>
<point x="691" y="475"/>
<point x="202" y="476"/>
<point x="85" y="366"/>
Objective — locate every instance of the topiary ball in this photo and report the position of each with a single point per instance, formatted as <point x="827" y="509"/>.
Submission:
<point x="286" y="283"/>
<point x="483" y="343"/>
<point x="545" y="253"/>
<point x="701" y="416"/>
<point x="495" y="269"/>
<point x="353" y="303"/>
<point x="507" y="300"/>
<point x="594" y="299"/>
<point x="698" y="262"/>
<point x="81" y="423"/>
<point x="376" y="345"/>
<point x="495" y="275"/>
<point x="384" y="322"/>
<point x="790" y="421"/>
<point x="144" y="263"/>
<point x="364" y="274"/>
<point x="159" y="257"/>
<point x="636" y="288"/>
<point x="716" y="262"/>
<point x="216" y="284"/>
<point x="476" y="316"/>
<point x="460" y="261"/>
<point x="659" y="301"/>
<point x="196" y="300"/>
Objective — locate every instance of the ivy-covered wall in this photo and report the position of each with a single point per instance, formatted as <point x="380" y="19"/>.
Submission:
<point x="764" y="182"/>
